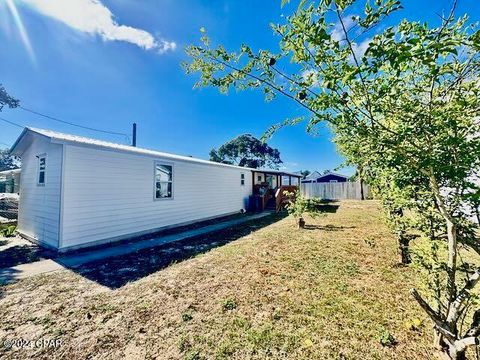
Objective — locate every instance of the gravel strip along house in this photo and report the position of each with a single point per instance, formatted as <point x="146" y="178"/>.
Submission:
<point x="77" y="192"/>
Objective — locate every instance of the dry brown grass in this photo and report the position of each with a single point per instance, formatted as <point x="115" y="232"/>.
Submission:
<point x="326" y="292"/>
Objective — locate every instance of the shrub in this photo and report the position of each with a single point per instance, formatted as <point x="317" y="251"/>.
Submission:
<point x="187" y="317"/>
<point x="9" y="231"/>
<point x="229" y="304"/>
<point x="386" y="338"/>
<point x="298" y="206"/>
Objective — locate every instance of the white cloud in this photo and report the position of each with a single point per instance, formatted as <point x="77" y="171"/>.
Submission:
<point x="310" y="76"/>
<point x="339" y="35"/>
<point x="337" y="32"/>
<point x="94" y="18"/>
<point x="361" y="47"/>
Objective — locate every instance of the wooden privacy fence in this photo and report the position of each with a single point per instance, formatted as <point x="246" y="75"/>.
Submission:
<point x="334" y="191"/>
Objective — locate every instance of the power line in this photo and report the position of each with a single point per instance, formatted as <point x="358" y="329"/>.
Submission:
<point x="73" y="124"/>
<point x="12" y="123"/>
<point x="127" y="137"/>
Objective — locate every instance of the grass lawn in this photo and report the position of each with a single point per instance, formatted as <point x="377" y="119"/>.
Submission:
<point x="325" y="292"/>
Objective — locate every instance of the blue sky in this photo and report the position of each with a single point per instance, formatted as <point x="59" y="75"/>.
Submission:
<point x="78" y="76"/>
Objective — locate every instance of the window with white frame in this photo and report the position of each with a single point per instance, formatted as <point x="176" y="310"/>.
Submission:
<point x="163" y="181"/>
<point x="41" y="169"/>
<point x="242" y="179"/>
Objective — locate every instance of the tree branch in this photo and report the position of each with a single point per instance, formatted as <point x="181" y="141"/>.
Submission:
<point x="461" y="345"/>
<point x="436" y="317"/>
<point x="263" y="81"/>
<point x="475" y="327"/>
<point x="454" y="312"/>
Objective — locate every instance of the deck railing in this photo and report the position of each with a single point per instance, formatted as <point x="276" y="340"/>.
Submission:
<point x="264" y="195"/>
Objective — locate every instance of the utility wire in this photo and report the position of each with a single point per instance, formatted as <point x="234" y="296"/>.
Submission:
<point x="127" y="137"/>
<point x="12" y="123"/>
<point x="73" y="124"/>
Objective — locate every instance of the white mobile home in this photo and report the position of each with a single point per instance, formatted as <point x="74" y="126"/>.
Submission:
<point x="77" y="192"/>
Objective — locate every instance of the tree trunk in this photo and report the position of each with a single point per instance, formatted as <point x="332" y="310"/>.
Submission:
<point x="360" y="178"/>
<point x="477" y="212"/>
<point x="403" y="248"/>
<point x="301" y="223"/>
<point x="457" y="355"/>
<point x="438" y="343"/>
<point x="452" y="240"/>
<point x="452" y="259"/>
<point x="362" y="195"/>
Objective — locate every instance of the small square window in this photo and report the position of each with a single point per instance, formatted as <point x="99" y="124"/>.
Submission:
<point x="242" y="179"/>
<point x="259" y="178"/>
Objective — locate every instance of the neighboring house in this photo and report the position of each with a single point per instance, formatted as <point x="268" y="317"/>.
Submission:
<point x="10" y="181"/>
<point x="316" y="177"/>
<point x="77" y="192"/>
<point x="312" y="176"/>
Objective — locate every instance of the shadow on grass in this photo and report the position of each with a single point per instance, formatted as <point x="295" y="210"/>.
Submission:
<point x="23" y="254"/>
<point x="118" y="271"/>
<point x="328" y="227"/>
<point x="6" y="276"/>
<point x="328" y="206"/>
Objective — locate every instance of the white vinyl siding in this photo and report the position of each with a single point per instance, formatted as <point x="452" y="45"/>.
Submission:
<point x="39" y="206"/>
<point x="108" y="194"/>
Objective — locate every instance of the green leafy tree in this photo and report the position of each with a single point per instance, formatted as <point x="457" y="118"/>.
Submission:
<point x="405" y="111"/>
<point x="246" y="150"/>
<point x="304" y="173"/>
<point x="298" y="206"/>
<point x="6" y="99"/>
<point x="7" y="161"/>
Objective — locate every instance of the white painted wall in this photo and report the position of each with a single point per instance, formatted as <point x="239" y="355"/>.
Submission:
<point x="109" y="194"/>
<point x="39" y="206"/>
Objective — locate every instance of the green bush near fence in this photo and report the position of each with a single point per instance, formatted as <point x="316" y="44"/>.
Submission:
<point x="7" y="230"/>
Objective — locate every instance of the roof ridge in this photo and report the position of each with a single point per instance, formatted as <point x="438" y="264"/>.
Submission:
<point x="133" y="149"/>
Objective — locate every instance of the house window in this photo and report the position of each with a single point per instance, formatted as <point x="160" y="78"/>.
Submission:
<point x="333" y="181"/>
<point x="259" y="178"/>
<point x="42" y="166"/>
<point x="163" y="181"/>
<point x="242" y="179"/>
